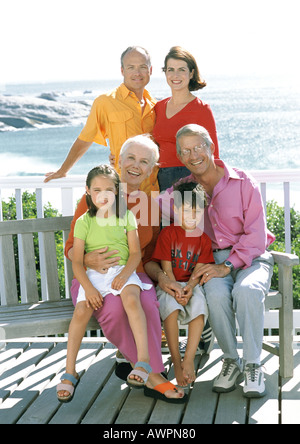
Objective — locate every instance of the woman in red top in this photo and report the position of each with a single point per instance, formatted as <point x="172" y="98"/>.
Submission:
<point x="182" y="108"/>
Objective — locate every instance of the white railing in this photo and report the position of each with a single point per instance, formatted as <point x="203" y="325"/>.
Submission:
<point x="64" y="193"/>
<point x="284" y="177"/>
<point x="61" y="192"/>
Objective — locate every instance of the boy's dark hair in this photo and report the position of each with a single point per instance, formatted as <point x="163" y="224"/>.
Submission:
<point x="189" y="193"/>
<point x="108" y="171"/>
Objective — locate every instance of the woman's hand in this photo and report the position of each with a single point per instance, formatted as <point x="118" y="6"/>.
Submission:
<point x="101" y="260"/>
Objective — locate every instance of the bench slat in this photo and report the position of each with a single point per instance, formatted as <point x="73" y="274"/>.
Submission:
<point x="50" y="323"/>
<point x="273" y="300"/>
<point x="41" y="305"/>
<point x="51" y="266"/>
<point x="33" y="317"/>
<point x="31" y="288"/>
<point x="35" y="225"/>
<point x="9" y="284"/>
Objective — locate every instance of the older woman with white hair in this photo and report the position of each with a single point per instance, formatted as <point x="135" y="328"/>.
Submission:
<point x="138" y="156"/>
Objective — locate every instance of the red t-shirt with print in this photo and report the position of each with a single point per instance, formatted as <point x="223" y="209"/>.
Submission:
<point x="176" y="245"/>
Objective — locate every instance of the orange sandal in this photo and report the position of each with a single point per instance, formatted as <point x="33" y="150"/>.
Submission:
<point x="158" y="392"/>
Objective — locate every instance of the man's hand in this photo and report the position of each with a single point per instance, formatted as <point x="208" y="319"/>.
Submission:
<point x="208" y="271"/>
<point x="78" y="149"/>
<point x="101" y="260"/>
<point x="54" y="175"/>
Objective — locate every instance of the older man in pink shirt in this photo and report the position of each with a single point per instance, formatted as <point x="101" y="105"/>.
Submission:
<point x="236" y="285"/>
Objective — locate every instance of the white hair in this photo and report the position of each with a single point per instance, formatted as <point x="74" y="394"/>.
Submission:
<point x="143" y="140"/>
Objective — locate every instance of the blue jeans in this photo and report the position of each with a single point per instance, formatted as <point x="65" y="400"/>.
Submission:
<point x="169" y="176"/>
<point x="240" y="295"/>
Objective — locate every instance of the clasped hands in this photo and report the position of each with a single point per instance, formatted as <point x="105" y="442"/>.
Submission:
<point x="203" y="274"/>
<point x="173" y="288"/>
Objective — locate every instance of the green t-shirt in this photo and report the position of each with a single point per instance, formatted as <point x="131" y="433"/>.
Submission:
<point x="108" y="232"/>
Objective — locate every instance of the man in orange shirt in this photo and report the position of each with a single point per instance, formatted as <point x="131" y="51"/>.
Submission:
<point x="123" y="113"/>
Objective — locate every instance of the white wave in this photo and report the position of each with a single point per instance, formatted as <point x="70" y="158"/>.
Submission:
<point x="12" y="165"/>
<point x="18" y="112"/>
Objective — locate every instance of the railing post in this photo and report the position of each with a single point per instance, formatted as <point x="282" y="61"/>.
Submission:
<point x="40" y="214"/>
<point x="287" y="217"/>
<point x="67" y="201"/>
<point x="263" y="190"/>
<point x="67" y="210"/>
<point x="1" y="212"/>
<point x="19" y="213"/>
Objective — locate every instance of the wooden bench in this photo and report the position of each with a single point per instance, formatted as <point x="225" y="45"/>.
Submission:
<point x="50" y="314"/>
<point x="282" y="299"/>
<point x="36" y="314"/>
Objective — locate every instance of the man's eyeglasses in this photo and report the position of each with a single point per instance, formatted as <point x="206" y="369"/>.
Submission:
<point x="197" y="149"/>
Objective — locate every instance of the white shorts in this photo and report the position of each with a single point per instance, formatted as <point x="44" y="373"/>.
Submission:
<point x="102" y="282"/>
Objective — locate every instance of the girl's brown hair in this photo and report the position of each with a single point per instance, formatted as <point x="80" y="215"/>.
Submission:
<point x="108" y="171"/>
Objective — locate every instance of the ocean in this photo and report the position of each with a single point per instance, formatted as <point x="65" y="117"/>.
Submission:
<point x="258" y="123"/>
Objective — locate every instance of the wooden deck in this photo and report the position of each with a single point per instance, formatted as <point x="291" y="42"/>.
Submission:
<point x="30" y="371"/>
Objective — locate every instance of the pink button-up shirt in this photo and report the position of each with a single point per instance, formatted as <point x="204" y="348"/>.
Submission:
<point x="234" y="216"/>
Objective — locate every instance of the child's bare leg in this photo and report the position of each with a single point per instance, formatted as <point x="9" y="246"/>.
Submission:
<point x="132" y="305"/>
<point x="172" y="334"/>
<point x="195" y="331"/>
<point x="77" y="328"/>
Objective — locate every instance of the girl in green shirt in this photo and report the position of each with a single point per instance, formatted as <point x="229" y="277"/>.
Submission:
<point x="106" y="223"/>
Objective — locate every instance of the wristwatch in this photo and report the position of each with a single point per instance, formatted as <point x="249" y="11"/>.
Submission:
<point x="228" y="264"/>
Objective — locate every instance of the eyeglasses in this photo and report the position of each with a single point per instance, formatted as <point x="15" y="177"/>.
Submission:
<point x="197" y="149"/>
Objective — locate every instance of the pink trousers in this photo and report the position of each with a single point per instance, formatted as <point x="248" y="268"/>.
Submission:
<point x="114" y="323"/>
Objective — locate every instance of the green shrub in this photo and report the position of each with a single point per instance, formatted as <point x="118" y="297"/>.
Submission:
<point x="275" y="222"/>
<point x="29" y="212"/>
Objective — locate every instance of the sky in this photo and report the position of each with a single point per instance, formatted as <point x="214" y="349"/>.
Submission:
<point x="54" y="40"/>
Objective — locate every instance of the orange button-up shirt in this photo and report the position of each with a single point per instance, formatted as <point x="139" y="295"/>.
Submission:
<point x="116" y="116"/>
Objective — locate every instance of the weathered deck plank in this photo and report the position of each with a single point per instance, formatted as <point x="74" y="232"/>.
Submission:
<point x="290" y="403"/>
<point x="92" y="381"/>
<point x="29" y="373"/>
<point x="203" y="402"/>
<point x="16" y="393"/>
<point x="137" y="408"/>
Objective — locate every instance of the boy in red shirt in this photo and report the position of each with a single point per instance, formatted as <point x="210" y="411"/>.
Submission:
<point x="181" y="248"/>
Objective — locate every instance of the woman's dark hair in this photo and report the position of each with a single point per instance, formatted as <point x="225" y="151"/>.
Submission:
<point x="176" y="52"/>
<point x="119" y="204"/>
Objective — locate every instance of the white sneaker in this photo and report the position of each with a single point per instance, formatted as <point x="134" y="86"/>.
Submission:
<point x="207" y="340"/>
<point x="254" y="381"/>
<point x="231" y="375"/>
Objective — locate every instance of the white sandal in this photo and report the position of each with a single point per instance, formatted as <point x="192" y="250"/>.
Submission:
<point x="143" y="375"/>
<point x="67" y="387"/>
